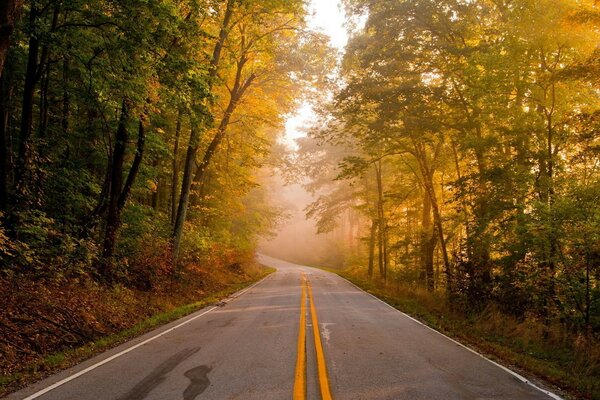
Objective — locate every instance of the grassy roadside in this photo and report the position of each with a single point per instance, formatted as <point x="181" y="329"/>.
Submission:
<point x="569" y="362"/>
<point x="57" y="361"/>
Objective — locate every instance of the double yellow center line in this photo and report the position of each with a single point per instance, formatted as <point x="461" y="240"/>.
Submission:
<point x="300" y="381"/>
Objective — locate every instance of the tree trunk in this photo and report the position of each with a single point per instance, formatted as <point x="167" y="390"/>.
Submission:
<point x="383" y="259"/>
<point x="549" y="264"/>
<point x="5" y="92"/>
<point x="31" y="78"/>
<point x="66" y="102"/>
<point x="44" y="103"/>
<point x="135" y="166"/>
<point x="237" y="92"/>
<point x="372" y="238"/>
<point x="427" y="174"/>
<point x="9" y="12"/>
<point x="427" y="244"/>
<point x="186" y="184"/>
<point x="116" y="184"/>
<point x="221" y="131"/>
<point x="175" y="167"/>
<point x="119" y="193"/>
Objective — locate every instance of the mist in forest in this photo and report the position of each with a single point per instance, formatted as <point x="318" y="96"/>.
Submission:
<point x="296" y="237"/>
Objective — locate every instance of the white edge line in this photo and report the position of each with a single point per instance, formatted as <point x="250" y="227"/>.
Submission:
<point x="119" y="354"/>
<point x="513" y="373"/>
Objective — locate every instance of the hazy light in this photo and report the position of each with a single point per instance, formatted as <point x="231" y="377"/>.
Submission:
<point x="328" y="17"/>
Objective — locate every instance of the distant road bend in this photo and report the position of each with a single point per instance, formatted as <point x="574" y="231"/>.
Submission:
<point x="301" y="333"/>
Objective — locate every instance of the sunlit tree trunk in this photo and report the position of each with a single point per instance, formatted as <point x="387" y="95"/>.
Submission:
<point x="381" y="223"/>
<point x="372" y="240"/>
<point x="186" y="184"/>
<point x="427" y="174"/>
<point x="427" y="244"/>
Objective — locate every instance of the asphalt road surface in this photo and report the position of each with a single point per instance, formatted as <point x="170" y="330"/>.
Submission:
<point x="300" y="333"/>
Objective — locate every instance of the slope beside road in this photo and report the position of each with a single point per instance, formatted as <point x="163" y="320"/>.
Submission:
<point x="252" y="346"/>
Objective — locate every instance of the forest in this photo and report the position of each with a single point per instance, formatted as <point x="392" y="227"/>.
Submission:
<point x="134" y="139"/>
<point x="468" y="131"/>
<point x="455" y="161"/>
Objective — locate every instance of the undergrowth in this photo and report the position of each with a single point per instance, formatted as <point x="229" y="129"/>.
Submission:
<point x="49" y="326"/>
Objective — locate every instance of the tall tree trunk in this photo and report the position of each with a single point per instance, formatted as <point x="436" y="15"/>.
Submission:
<point x="66" y="101"/>
<point x="236" y="94"/>
<point x="175" y="167"/>
<point x="116" y="184"/>
<point x="463" y="198"/>
<point x="427" y="174"/>
<point x="9" y="13"/>
<point x="31" y="78"/>
<point x="549" y="264"/>
<point x="135" y="166"/>
<point x="5" y="94"/>
<point x="44" y="103"/>
<point x="372" y="239"/>
<point x="238" y="90"/>
<point x="588" y="293"/>
<point x="427" y="244"/>
<point x="383" y="257"/>
<point x="33" y="74"/>
<point x="119" y="193"/>
<point x="186" y="184"/>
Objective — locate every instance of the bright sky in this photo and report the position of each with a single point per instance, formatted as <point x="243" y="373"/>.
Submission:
<point x="328" y="17"/>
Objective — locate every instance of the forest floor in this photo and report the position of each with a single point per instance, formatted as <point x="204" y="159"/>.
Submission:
<point x="568" y="361"/>
<point x="46" y="326"/>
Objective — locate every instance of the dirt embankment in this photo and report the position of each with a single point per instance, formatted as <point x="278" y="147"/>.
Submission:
<point x="49" y="325"/>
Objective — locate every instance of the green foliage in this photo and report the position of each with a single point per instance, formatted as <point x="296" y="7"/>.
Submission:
<point x="482" y="120"/>
<point x="154" y="59"/>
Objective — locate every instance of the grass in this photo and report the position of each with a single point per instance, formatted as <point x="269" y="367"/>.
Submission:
<point x="61" y="360"/>
<point x="567" y="361"/>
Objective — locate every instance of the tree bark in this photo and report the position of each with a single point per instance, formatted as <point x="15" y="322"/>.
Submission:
<point x="383" y="256"/>
<point x="186" y="184"/>
<point x="372" y="238"/>
<point x="5" y="94"/>
<point x="116" y="184"/>
<point x="44" y="103"/>
<point x="119" y="193"/>
<point x="427" y="244"/>
<point x="427" y="174"/>
<point x="33" y="74"/>
<point x="135" y="166"/>
<point x="175" y="168"/>
<point x="9" y="12"/>
<point x="238" y="91"/>
<point x="31" y="78"/>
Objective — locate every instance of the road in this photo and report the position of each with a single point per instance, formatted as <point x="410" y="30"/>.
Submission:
<point x="252" y="347"/>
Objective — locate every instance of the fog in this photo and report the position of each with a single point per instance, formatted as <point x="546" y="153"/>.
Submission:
<point x="297" y="239"/>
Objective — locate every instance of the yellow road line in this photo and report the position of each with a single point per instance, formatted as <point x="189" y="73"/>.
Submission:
<point x="321" y="365"/>
<point x="300" y="382"/>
